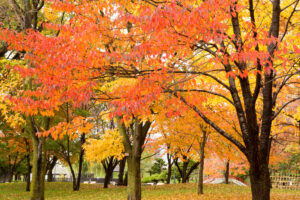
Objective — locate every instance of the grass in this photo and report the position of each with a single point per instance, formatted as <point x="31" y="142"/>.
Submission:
<point x="63" y="191"/>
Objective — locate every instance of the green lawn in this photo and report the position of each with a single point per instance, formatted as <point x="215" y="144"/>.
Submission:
<point x="63" y="191"/>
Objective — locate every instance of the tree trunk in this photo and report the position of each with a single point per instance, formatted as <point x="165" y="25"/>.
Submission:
<point x="28" y="174"/>
<point x="50" y="175"/>
<point x="226" y="173"/>
<point x="11" y="176"/>
<point x="109" y="165"/>
<point x="200" y="178"/>
<point x="50" y="168"/>
<point x="82" y="141"/>
<point x="169" y="168"/>
<point x="38" y="168"/>
<point x="260" y="181"/>
<point x="126" y="179"/>
<point x="202" y="156"/>
<point x="184" y="171"/>
<point x="108" y="176"/>
<point x="122" y="164"/>
<point x="28" y="166"/>
<point x="169" y="173"/>
<point x="134" y="148"/>
<point x="134" y="178"/>
<point x="16" y="177"/>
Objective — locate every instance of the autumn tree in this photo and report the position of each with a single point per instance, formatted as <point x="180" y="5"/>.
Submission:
<point x="251" y="64"/>
<point x="244" y="49"/>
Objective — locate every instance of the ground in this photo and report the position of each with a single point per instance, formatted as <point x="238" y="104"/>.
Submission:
<point x="63" y="191"/>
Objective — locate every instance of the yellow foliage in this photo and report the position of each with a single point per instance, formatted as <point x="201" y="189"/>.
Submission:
<point x="110" y="144"/>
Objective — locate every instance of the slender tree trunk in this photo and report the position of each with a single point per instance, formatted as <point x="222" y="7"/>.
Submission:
<point x="28" y="173"/>
<point x="226" y="173"/>
<point x="169" y="173"/>
<point x="28" y="165"/>
<point x="122" y="164"/>
<point x="50" y="168"/>
<point x="73" y="177"/>
<point x="126" y="179"/>
<point x="169" y="168"/>
<point x="202" y="156"/>
<point x="50" y="175"/>
<point x="82" y="141"/>
<point x="76" y="181"/>
<point x="200" y="178"/>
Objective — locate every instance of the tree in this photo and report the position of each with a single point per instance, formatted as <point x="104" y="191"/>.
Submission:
<point x="108" y="149"/>
<point x="234" y="51"/>
<point x="159" y="46"/>
<point x="157" y="166"/>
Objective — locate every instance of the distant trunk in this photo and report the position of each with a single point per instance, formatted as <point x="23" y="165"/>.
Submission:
<point x="50" y="168"/>
<point x="76" y="181"/>
<point x="16" y="177"/>
<point x="28" y="165"/>
<point x="169" y="168"/>
<point x="226" y="173"/>
<point x="82" y="141"/>
<point x="11" y="176"/>
<point x="202" y="156"/>
<point x="109" y="165"/>
<point x="122" y="164"/>
<point x="50" y="175"/>
<point x="28" y="173"/>
<point x="126" y="179"/>
<point x="184" y="172"/>
<point x="108" y="176"/>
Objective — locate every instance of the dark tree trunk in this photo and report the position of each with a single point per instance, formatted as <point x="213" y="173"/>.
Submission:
<point x="126" y="179"/>
<point x="170" y="163"/>
<point x="107" y="178"/>
<point x="122" y="164"/>
<point x="169" y="173"/>
<point x="260" y="183"/>
<point x="28" y="174"/>
<point x="76" y="181"/>
<point x="82" y="141"/>
<point x="201" y="167"/>
<point x="16" y="177"/>
<point x="184" y="172"/>
<point x="109" y="165"/>
<point x="50" y="167"/>
<point x="50" y="175"/>
<point x="28" y="166"/>
<point x="226" y="173"/>
<point x="11" y="176"/>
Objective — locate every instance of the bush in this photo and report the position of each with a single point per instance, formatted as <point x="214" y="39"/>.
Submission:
<point x="155" y="178"/>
